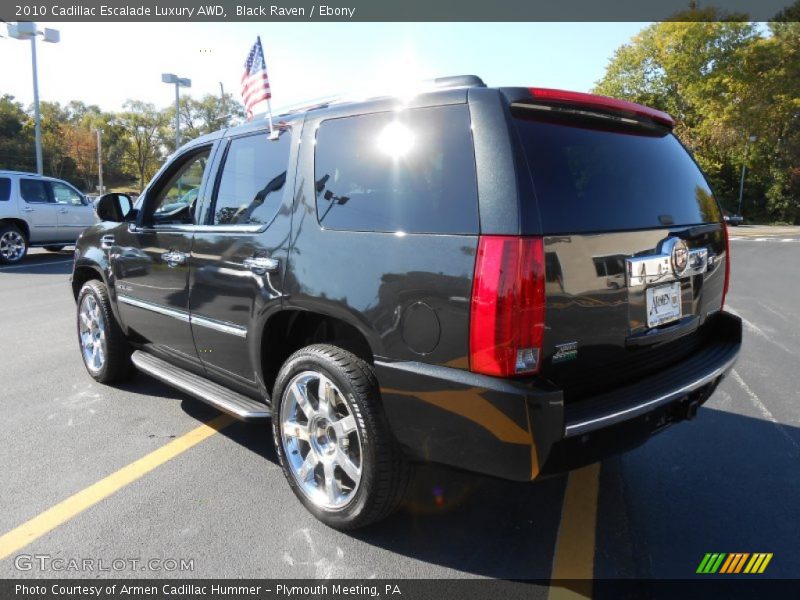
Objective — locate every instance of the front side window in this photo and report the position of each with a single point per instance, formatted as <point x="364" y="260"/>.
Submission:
<point x="411" y="171"/>
<point x="34" y="190"/>
<point x="5" y="189"/>
<point x="176" y="201"/>
<point x="63" y="194"/>
<point x="253" y="180"/>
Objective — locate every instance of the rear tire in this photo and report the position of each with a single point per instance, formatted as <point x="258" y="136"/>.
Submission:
<point x="339" y="455"/>
<point x="13" y="244"/>
<point x="105" y="351"/>
<point x="54" y="248"/>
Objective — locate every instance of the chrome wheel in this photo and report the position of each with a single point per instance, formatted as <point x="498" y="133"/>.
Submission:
<point x="92" y="332"/>
<point x="320" y="440"/>
<point x="12" y="246"/>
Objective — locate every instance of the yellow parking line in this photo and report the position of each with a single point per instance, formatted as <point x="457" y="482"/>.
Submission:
<point x="575" y="545"/>
<point x="44" y="522"/>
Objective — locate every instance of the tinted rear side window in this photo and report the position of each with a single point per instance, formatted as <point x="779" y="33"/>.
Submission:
<point x="588" y="178"/>
<point x="5" y="188"/>
<point x="34" y="190"/>
<point x="410" y="171"/>
<point x="253" y="180"/>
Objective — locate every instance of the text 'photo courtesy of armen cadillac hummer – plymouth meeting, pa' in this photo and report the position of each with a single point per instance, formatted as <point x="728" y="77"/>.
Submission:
<point x="305" y="300"/>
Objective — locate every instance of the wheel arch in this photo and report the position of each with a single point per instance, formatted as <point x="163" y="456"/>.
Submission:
<point x="20" y="223"/>
<point x="291" y="329"/>
<point x="83" y="273"/>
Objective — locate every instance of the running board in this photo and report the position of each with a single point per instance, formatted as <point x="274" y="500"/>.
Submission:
<point x="235" y="404"/>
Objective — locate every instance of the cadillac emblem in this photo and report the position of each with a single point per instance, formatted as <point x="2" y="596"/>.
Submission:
<point x="679" y="257"/>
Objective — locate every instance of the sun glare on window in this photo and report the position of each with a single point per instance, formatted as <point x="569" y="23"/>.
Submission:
<point x="395" y="140"/>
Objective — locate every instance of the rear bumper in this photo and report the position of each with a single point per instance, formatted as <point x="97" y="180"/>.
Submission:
<point x="522" y="429"/>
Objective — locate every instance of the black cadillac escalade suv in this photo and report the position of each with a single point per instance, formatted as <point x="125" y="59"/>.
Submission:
<point x="514" y="281"/>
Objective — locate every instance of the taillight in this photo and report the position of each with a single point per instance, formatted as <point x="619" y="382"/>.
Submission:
<point x="507" y="310"/>
<point x="727" y="263"/>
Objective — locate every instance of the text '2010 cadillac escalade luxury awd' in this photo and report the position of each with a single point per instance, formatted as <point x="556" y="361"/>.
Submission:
<point x="514" y="281"/>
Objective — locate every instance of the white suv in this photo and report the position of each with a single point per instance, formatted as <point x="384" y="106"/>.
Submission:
<point x="39" y="211"/>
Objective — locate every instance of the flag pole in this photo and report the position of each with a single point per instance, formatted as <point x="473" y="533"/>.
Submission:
<point x="272" y="135"/>
<point x="269" y="115"/>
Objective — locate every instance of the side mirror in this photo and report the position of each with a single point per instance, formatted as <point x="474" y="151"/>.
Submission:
<point x="113" y="207"/>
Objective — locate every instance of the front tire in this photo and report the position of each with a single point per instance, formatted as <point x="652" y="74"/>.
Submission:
<point x="13" y="244"/>
<point x="332" y="438"/>
<point x="105" y="351"/>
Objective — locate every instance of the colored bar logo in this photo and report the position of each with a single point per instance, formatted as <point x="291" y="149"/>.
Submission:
<point x="736" y="562"/>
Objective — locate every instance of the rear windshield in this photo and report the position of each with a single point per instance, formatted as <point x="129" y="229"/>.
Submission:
<point x="590" y="176"/>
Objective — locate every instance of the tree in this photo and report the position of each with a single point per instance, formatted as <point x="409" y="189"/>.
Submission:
<point x="780" y="90"/>
<point x="723" y="81"/>
<point x="143" y="126"/>
<point x="16" y="145"/>
<point x="81" y="146"/>
<point x="206" y="115"/>
<point x="57" y="162"/>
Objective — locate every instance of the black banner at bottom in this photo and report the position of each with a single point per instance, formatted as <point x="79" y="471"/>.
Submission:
<point x="399" y="589"/>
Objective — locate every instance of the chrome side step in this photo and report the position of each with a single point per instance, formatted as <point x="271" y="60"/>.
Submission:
<point x="235" y="404"/>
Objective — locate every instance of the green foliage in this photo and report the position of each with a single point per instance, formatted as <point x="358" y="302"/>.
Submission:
<point x="206" y="115"/>
<point x="16" y="146"/>
<point x="724" y="79"/>
<point x="135" y="141"/>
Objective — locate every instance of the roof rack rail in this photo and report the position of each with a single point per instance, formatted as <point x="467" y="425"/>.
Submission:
<point x="16" y="172"/>
<point x="305" y="105"/>
<point x="457" y="81"/>
<point x="438" y="83"/>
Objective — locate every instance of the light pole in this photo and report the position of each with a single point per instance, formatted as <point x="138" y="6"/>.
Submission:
<point x="179" y="83"/>
<point x="99" y="161"/>
<point x="749" y="140"/>
<point x="28" y="31"/>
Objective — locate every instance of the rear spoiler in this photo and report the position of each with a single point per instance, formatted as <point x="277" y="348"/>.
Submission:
<point x="552" y="98"/>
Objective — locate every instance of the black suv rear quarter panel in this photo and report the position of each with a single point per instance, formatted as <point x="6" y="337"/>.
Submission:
<point x="437" y="409"/>
<point x="371" y="279"/>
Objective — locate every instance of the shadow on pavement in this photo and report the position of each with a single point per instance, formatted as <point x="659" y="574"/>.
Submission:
<point x="144" y="385"/>
<point x="722" y="483"/>
<point x="49" y="263"/>
<point x="475" y="524"/>
<point x="463" y="521"/>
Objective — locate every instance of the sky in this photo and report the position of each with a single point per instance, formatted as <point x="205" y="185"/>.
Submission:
<point x="107" y="63"/>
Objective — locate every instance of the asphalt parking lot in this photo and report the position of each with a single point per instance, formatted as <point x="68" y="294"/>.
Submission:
<point x="727" y="481"/>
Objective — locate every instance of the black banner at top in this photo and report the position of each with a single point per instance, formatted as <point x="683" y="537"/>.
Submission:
<point x="397" y="10"/>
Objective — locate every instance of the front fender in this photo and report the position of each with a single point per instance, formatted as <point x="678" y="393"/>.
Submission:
<point x="89" y="255"/>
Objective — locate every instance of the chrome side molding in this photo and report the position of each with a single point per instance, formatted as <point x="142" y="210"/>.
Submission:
<point x="156" y="308"/>
<point x="216" y="325"/>
<point x="222" y="326"/>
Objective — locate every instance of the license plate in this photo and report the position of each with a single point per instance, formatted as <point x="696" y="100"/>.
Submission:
<point x="663" y="304"/>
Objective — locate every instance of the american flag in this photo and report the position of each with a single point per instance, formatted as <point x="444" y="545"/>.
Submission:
<point x="255" y="82"/>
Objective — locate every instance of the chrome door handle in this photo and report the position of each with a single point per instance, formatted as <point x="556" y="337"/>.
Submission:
<point x="28" y="209"/>
<point x="63" y="211"/>
<point x="173" y="258"/>
<point x="106" y="242"/>
<point x="261" y="265"/>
